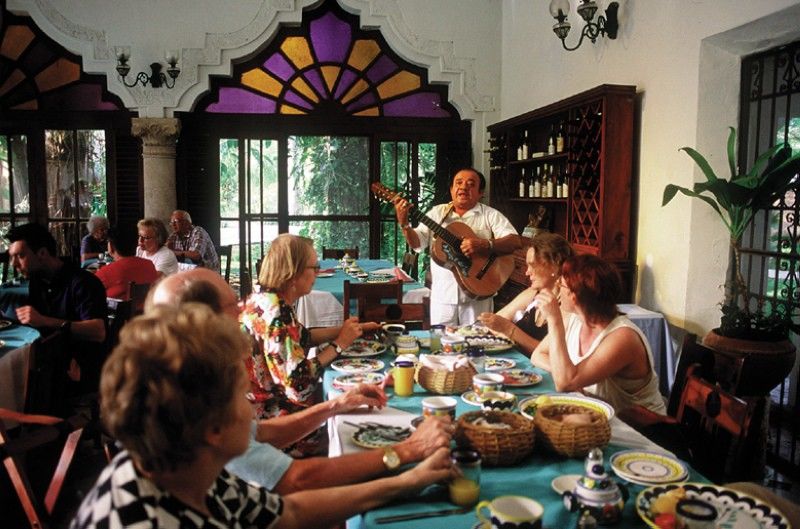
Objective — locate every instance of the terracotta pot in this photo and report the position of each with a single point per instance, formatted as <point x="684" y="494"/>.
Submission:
<point x="764" y="365"/>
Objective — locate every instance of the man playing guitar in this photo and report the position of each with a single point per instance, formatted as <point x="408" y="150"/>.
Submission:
<point x="450" y="304"/>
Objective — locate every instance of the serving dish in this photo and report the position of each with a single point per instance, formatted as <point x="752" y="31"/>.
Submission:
<point x="349" y="380"/>
<point x="357" y="365"/>
<point x="362" y="348"/>
<point x="498" y="363"/>
<point x="528" y="406"/>
<point x="518" y="378"/>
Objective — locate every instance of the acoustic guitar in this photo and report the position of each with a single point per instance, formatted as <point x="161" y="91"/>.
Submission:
<point x="481" y="276"/>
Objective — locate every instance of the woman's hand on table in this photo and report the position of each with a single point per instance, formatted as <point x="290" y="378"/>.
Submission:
<point x="496" y="323"/>
<point x="434" y="469"/>
<point x="432" y="434"/>
<point x="349" y="331"/>
<point x="361" y="395"/>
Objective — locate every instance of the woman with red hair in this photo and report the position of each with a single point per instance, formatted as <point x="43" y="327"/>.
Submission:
<point x="591" y="346"/>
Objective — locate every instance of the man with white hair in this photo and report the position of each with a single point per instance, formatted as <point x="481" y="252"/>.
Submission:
<point x="191" y="243"/>
<point x="263" y="462"/>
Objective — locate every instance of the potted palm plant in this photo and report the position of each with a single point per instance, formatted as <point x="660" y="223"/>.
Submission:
<point x="745" y="329"/>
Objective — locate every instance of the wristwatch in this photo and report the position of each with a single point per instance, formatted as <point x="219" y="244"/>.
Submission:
<point x="390" y="458"/>
<point x="336" y="347"/>
<point x="66" y="326"/>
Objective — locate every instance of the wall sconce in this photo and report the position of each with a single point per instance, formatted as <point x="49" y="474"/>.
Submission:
<point x="157" y="78"/>
<point x="605" y="26"/>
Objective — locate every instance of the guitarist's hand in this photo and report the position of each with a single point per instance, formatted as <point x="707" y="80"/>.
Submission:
<point x="473" y="246"/>
<point x="401" y="207"/>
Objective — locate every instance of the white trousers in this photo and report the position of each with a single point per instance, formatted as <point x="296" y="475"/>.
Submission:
<point x="462" y="314"/>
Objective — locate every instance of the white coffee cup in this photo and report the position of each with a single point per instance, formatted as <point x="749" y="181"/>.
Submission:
<point x="511" y="512"/>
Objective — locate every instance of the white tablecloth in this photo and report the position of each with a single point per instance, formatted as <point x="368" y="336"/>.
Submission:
<point x="655" y="327"/>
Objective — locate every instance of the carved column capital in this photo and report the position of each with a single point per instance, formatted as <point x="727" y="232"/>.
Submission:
<point x="158" y="135"/>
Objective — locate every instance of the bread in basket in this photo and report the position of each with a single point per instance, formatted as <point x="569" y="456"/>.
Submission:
<point x="570" y="429"/>
<point x="502" y="438"/>
<point x="444" y="381"/>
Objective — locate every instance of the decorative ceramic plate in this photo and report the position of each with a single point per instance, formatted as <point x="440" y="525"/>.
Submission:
<point x="562" y="484"/>
<point x="498" y="363"/>
<point x="6" y="323"/>
<point x="528" y="406"/>
<point x="416" y="421"/>
<point x="471" y="398"/>
<point x="380" y="278"/>
<point x="361" y="348"/>
<point x="516" y="378"/>
<point x="347" y="381"/>
<point x="326" y="274"/>
<point x="374" y="437"/>
<point x="651" y="468"/>
<point x="737" y="510"/>
<point x="357" y="365"/>
<point x="481" y="336"/>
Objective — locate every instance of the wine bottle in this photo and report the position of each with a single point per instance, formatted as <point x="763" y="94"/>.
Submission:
<point x="521" y="192"/>
<point x="557" y="178"/>
<point x="560" y="138"/>
<point x="535" y="190"/>
<point x="565" y="184"/>
<point x="525" y="146"/>
<point x="551" y="141"/>
<point x="550" y="193"/>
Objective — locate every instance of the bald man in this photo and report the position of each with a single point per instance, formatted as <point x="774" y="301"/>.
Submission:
<point x="263" y="462"/>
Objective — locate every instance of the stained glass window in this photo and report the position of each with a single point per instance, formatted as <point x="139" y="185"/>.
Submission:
<point x="328" y="65"/>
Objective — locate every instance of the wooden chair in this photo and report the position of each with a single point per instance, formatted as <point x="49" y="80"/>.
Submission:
<point x="410" y="264"/>
<point x="338" y="253"/>
<point x="370" y="295"/>
<point x="46" y="386"/>
<point x="226" y="252"/>
<point x="413" y="315"/>
<point x="137" y="293"/>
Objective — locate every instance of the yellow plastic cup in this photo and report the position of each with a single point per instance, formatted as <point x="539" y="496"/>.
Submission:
<point x="403" y="378"/>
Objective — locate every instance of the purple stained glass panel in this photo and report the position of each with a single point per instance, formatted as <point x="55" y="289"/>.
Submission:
<point x="292" y="97"/>
<point x="76" y="97"/>
<point x="421" y="104"/>
<point x="331" y="38"/>
<point x="362" y="102"/>
<point x="381" y="69"/>
<point x="315" y="80"/>
<point x="345" y="82"/>
<point x="236" y="100"/>
<point x="279" y="66"/>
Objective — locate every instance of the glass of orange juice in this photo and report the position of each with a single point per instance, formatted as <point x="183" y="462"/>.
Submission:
<point x="465" y="488"/>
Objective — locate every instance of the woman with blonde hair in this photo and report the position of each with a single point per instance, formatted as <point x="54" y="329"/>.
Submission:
<point x="152" y="245"/>
<point x="519" y="320"/>
<point x="285" y="379"/>
<point x="174" y="393"/>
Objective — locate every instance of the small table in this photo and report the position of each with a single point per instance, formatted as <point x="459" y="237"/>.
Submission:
<point x="655" y="327"/>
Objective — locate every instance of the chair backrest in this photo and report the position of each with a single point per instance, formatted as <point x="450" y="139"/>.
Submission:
<point x="370" y="295"/>
<point x="410" y="264"/>
<point x="226" y="252"/>
<point x="414" y="316"/>
<point x="716" y="424"/>
<point x="47" y="385"/>
<point x="338" y="253"/>
<point x="137" y="293"/>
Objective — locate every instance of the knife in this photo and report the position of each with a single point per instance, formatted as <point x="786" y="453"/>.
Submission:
<point x="418" y="515"/>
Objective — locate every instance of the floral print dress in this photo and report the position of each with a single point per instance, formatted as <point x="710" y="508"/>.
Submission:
<point x="283" y="379"/>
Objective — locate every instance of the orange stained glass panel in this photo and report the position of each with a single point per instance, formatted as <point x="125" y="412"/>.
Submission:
<point x="399" y="83"/>
<point x="260" y="80"/>
<point x="356" y="90"/>
<point x="16" y="40"/>
<point x="363" y="53"/>
<point x="61" y="72"/>
<point x="301" y="86"/>
<point x="27" y="105"/>
<point x="298" y="51"/>
<point x="289" y="109"/>
<point x="330" y="73"/>
<point x="371" y="111"/>
<point x="12" y="81"/>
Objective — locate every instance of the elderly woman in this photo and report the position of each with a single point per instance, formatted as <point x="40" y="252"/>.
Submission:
<point x="285" y="379"/>
<point x="152" y="245"/>
<point x="174" y="394"/>
<point x="95" y="242"/>
<point x="519" y="320"/>
<point x="592" y="347"/>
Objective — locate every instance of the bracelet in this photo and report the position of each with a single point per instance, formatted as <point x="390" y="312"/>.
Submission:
<point x="511" y="335"/>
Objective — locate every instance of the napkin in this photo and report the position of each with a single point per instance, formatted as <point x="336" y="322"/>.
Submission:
<point x="448" y="362"/>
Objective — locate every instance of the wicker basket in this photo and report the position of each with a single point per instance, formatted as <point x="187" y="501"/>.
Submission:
<point x="443" y="381"/>
<point x="572" y="440"/>
<point x="497" y="447"/>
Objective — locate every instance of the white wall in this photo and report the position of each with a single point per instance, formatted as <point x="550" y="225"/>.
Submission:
<point x="682" y="248"/>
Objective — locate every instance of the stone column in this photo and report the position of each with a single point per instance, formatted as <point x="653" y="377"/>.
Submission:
<point x="158" y="155"/>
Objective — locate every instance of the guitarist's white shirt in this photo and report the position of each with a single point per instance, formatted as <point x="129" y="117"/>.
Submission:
<point x="485" y="221"/>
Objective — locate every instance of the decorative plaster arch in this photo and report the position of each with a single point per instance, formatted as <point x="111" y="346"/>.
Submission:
<point x="220" y="49"/>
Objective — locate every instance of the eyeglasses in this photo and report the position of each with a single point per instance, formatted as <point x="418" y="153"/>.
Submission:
<point x="316" y="267"/>
<point x="144" y="238"/>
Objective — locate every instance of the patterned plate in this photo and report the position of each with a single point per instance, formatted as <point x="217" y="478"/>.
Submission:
<point x="498" y="363"/>
<point x="326" y="274"/>
<point x="517" y="378"/>
<point x="528" y="406"/>
<point x="481" y="336"/>
<point x="651" y="468"/>
<point x="372" y="438"/>
<point x="379" y="278"/>
<point x="357" y="365"/>
<point x="737" y="510"/>
<point x="361" y="348"/>
<point x="6" y="323"/>
<point x="471" y="398"/>
<point x="347" y="381"/>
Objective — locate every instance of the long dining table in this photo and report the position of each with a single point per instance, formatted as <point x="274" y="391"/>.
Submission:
<point x="532" y="477"/>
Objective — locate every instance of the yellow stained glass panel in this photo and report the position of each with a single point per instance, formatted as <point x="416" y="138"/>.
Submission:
<point x="262" y="81"/>
<point x="61" y="72"/>
<point x="16" y="40"/>
<point x="330" y="73"/>
<point x="371" y="111"/>
<point x="355" y="91"/>
<point x="399" y="83"/>
<point x="363" y="53"/>
<point x="301" y="86"/>
<point x="298" y="51"/>
<point x="289" y="109"/>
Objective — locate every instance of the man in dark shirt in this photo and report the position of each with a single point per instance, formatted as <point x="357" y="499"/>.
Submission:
<point x="61" y="296"/>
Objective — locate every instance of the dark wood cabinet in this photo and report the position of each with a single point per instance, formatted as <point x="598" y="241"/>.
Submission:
<point x="595" y="211"/>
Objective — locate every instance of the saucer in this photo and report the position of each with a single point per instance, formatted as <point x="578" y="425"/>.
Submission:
<point x="471" y="398"/>
<point x="564" y="483"/>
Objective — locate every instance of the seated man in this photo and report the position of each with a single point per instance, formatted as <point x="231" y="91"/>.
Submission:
<point x="191" y="243"/>
<point x="61" y="296"/>
<point x="126" y="267"/>
<point x="263" y="462"/>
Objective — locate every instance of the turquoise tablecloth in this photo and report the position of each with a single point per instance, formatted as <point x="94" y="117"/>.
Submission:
<point x="335" y="284"/>
<point x="12" y="295"/>
<point x="530" y="478"/>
